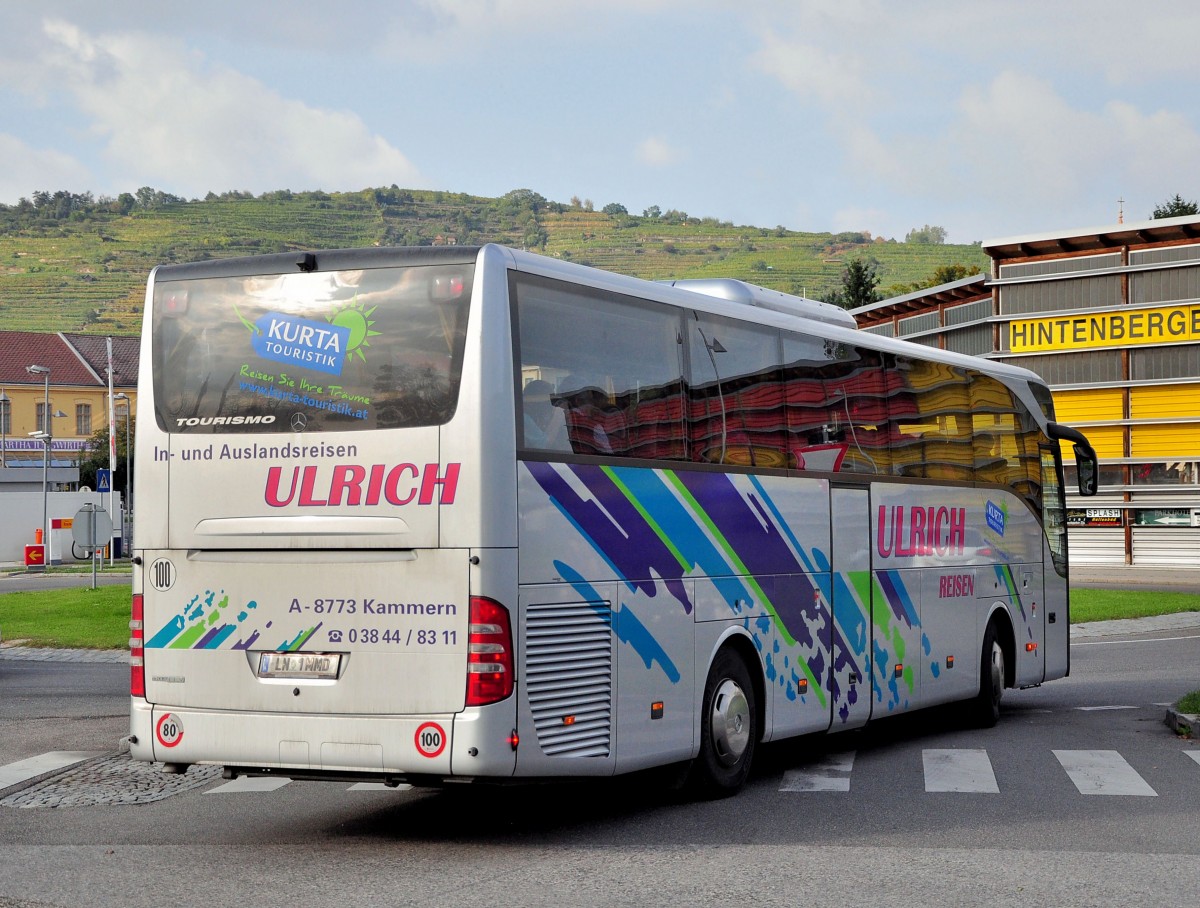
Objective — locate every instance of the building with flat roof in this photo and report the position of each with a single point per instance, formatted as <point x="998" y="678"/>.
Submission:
<point x="1110" y="318"/>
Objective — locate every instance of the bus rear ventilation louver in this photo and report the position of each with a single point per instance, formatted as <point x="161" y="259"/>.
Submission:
<point x="568" y="671"/>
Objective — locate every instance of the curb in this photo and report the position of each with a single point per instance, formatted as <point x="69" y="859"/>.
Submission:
<point x="18" y="787"/>
<point x="1186" y="725"/>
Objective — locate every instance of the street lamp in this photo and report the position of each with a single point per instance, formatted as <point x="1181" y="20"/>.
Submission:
<point x="44" y="437"/>
<point x="4" y="402"/>
<point x="122" y="396"/>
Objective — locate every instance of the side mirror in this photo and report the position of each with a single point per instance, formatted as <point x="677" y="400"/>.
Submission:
<point x="1086" y="469"/>
<point x="1086" y="465"/>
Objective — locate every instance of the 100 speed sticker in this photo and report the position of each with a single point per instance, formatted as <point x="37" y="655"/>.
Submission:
<point x="430" y="739"/>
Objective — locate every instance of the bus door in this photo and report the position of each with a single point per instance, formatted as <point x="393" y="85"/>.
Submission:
<point x="851" y="588"/>
<point x="1056" y="648"/>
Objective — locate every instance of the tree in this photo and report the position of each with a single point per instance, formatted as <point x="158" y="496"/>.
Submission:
<point x="1174" y="208"/>
<point x="943" y="274"/>
<point x="518" y="199"/>
<point x="94" y="456"/>
<point x="653" y="212"/>
<point x="613" y="209"/>
<point x="930" y="235"/>
<point x="860" y="284"/>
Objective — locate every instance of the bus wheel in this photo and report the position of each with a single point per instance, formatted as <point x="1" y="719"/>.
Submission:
<point x="728" y="727"/>
<point x="985" y="711"/>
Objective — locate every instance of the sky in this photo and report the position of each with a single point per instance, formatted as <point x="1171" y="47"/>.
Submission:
<point x="991" y="120"/>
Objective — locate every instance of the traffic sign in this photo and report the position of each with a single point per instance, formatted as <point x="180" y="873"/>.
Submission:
<point x="104" y="481"/>
<point x="92" y="527"/>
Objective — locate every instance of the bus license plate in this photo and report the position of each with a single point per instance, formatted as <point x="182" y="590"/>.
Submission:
<point x="299" y="665"/>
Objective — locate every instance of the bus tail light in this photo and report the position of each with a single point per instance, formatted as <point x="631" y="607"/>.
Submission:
<point x="490" y="668"/>
<point x="137" y="637"/>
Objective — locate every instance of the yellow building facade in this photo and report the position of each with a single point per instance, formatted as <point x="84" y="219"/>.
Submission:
<point x="1110" y="318"/>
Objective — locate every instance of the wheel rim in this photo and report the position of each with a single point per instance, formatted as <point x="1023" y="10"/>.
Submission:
<point x="730" y="722"/>
<point x="997" y="671"/>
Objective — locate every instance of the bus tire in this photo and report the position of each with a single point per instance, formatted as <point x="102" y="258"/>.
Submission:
<point x="985" y="709"/>
<point x="728" y="727"/>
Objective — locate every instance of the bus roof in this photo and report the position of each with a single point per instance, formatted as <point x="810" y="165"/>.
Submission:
<point x="717" y="296"/>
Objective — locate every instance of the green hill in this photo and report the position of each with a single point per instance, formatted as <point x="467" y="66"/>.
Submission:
<point x="73" y="263"/>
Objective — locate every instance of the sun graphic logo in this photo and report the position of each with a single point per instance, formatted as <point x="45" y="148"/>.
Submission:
<point x="356" y="318"/>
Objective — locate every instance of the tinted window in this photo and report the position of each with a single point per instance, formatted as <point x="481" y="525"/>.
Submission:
<point x="327" y="351"/>
<point x="609" y="367"/>
<point x="735" y="399"/>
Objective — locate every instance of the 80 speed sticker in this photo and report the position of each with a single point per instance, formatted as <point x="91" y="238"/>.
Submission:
<point x="431" y="740"/>
<point x="169" y="730"/>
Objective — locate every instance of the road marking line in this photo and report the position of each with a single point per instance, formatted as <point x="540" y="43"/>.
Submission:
<point x="251" y="783"/>
<point x="1126" y="642"/>
<point x="1194" y="754"/>
<point x="23" y="770"/>
<point x="967" y="770"/>
<point x="829" y="774"/>
<point x="1103" y="772"/>
<point x="377" y="786"/>
<point x="1092" y="709"/>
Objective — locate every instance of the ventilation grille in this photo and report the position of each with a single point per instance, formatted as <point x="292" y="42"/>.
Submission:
<point x="568" y="672"/>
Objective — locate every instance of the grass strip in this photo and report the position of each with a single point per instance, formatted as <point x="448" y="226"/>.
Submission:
<point x="1190" y="703"/>
<point x="69" y="618"/>
<point x="1105" y="605"/>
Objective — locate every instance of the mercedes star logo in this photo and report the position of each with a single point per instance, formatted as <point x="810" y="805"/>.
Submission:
<point x="299" y="421"/>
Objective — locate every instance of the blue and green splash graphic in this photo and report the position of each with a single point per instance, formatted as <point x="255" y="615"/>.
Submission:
<point x="207" y="622"/>
<point x="656" y="529"/>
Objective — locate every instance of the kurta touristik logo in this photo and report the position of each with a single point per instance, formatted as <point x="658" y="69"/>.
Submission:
<point x="301" y="342"/>
<point x="310" y="344"/>
<point x="353" y="485"/>
<point x="906" y="531"/>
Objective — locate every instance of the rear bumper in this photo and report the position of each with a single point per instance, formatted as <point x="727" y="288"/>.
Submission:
<point x="475" y="742"/>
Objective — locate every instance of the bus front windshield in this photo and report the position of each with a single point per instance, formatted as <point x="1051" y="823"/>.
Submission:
<point x="328" y="351"/>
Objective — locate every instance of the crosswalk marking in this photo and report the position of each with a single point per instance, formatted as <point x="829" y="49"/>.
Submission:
<point x="959" y="770"/>
<point x="273" y="783"/>
<point x="249" y="783"/>
<point x="1103" y="772"/>
<point x="23" y="770"/>
<point x="830" y="774"/>
<point x="1093" y="772"/>
<point x="377" y="786"/>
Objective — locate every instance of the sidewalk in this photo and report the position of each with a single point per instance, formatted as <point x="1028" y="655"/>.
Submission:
<point x="1132" y="577"/>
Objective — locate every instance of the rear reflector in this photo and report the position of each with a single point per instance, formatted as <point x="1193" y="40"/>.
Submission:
<point x="489" y="653"/>
<point x="137" y="637"/>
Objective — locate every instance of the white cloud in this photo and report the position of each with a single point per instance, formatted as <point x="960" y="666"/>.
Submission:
<point x="169" y="120"/>
<point x="832" y="79"/>
<point x="1036" y="148"/>
<point x="657" y="152"/>
<point x="27" y="169"/>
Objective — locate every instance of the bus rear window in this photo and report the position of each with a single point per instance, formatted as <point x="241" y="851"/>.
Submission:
<point x="322" y="352"/>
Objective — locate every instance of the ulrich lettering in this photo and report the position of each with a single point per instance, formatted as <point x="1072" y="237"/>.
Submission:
<point x="354" y="485"/>
<point x="907" y="531"/>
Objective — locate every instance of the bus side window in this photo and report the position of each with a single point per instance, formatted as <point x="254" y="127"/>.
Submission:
<point x="735" y="401"/>
<point x="856" y="392"/>
<point x="994" y="423"/>
<point x="570" y="334"/>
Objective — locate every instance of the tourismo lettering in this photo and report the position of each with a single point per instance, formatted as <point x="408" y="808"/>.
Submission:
<point x="353" y="485"/>
<point x="904" y="532"/>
